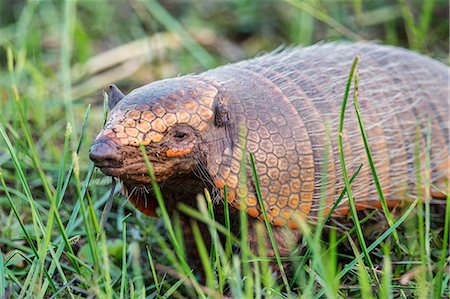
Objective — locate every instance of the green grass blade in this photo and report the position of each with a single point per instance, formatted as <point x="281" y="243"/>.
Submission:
<point x="440" y="286"/>
<point x="424" y="22"/>
<point x="363" y="275"/>
<point x="152" y="267"/>
<point x="353" y="210"/>
<point x="136" y="267"/>
<point x="203" y="253"/>
<point x="2" y="273"/>
<point x="161" y="202"/>
<point x="124" y="272"/>
<point x="321" y="226"/>
<point x="216" y="245"/>
<point x="106" y="270"/>
<point x="386" y="282"/>
<point x="330" y="267"/>
<point x="317" y="270"/>
<point x="324" y="181"/>
<point x="376" y="180"/>
<point x="179" y="234"/>
<point x="268" y="225"/>
<point x="419" y="195"/>
<point x="173" y="288"/>
<point x="227" y="222"/>
<point x="93" y="215"/>
<point x="427" y="197"/>
<point x="163" y="17"/>
<point x="107" y="209"/>
<point x="80" y="143"/>
<point x="67" y="28"/>
<point x="325" y="18"/>
<point x="54" y="209"/>
<point x="33" y="154"/>
<point x="243" y="217"/>
<point x="209" y="212"/>
<point x="88" y="228"/>
<point x="410" y="26"/>
<point x="168" y="223"/>
<point x="267" y="279"/>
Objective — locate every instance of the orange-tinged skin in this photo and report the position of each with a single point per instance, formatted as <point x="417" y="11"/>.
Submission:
<point x="177" y="152"/>
<point x="220" y="184"/>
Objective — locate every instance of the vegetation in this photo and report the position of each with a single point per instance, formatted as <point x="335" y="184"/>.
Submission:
<point x="55" y="239"/>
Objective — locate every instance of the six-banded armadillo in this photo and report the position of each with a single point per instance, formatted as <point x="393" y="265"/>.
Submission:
<point x="190" y="128"/>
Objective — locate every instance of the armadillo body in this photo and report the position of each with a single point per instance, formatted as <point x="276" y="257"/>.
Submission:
<point x="284" y="100"/>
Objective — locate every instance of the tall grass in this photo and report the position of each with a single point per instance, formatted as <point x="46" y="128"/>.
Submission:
<point x="53" y="242"/>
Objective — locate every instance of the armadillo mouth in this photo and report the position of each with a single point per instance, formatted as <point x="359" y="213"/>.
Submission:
<point x="135" y="173"/>
<point x="141" y="197"/>
<point x="111" y="171"/>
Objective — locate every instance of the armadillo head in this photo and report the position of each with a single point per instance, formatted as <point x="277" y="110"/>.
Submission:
<point x="176" y="120"/>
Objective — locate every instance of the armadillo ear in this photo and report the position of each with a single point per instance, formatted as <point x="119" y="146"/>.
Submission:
<point x="222" y="120"/>
<point x="221" y="115"/>
<point x="114" y="96"/>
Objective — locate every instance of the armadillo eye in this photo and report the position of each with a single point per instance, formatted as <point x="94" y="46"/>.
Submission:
<point x="180" y="135"/>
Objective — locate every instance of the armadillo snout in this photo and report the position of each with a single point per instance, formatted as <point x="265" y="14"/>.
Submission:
<point x="105" y="153"/>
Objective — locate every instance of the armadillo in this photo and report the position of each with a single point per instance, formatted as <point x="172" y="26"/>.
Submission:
<point x="191" y="129"/>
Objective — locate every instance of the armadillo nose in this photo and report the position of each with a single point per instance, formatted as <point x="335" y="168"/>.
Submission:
<point x="104" y="153"/>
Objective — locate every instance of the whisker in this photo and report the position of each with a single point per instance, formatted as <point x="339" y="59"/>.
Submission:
<point x="202" y="173"/>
